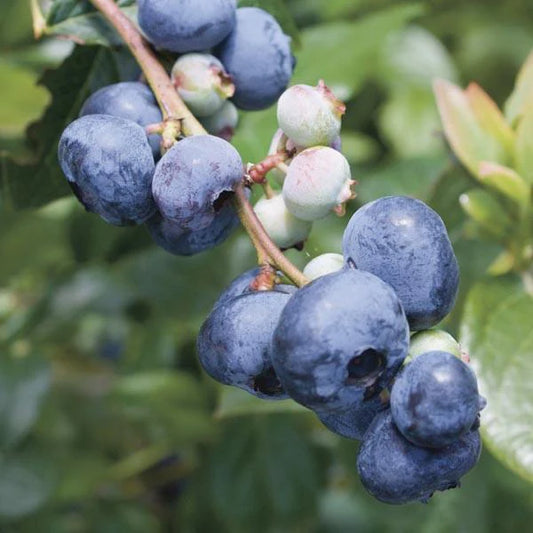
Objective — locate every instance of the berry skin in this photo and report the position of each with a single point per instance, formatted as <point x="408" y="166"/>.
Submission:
<point x="233" y="344"/>
<point x="192" y="178"/>
<point x="186" y="25"/>
<point x="435" y="400"/>
<point x="131" y="100"/>
<point x="396" y="471"/>
<point x="242" y="285"/>
<point x="284" y="229"/>
<point x="317" y="182"/>
<point x="257" y="55"/>
<point x="109" y="165"/>
<point x="322" y="265"/>
<point x="404" y="242"/>
<point x="433" y="340"/>
<point x="202" y="83"/>
<point x="222" y="123"/>
<point x="353" y="422"/>
<point x="341" y="339"/>
<point x="310" y="116"/>
<point x="169" y="235"/>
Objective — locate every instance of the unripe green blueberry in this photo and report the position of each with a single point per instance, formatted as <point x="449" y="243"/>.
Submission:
<point x="284" y="229"/>
<point x="322" y="265"/>
<point x="202" y="83"/>
<point x="433" y="340"/>
<point x="223" y="122"/>
<point x="318" y="181"/>
<point x="310" y="116"/>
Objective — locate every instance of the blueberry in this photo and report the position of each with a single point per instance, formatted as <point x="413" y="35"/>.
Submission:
<point x="242" y="285"/>
<point x="223" y="122"/>
<point x="284" y="229"/>
<point x="310" y="116"/>
<point x="257" y="55"/>
<point x="341" y="339"/>
<point x="169" y="235"/>
<point x="396" y="471"/>
<point x="318" y="181"/>
<point x="195" y="179"/>
<point x="186" y="25"/>
<point x="322" y="265"/>
<point x="435" y="400"/>
<point x="131" y="100"/>
<point x="109" y="165"/>
<point x="202" y="83"/>
<point x="234" y="343"/>
<point x="353" y="422"/>
<point x="404" y="242"/>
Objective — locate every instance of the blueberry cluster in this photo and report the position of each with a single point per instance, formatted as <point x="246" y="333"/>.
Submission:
<point x="340" y="346"/>
<point x="115" y="157"/>
<point x="352" y="345"/>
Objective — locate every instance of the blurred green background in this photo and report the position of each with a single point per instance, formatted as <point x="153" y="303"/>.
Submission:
<point x="106" y="421"/>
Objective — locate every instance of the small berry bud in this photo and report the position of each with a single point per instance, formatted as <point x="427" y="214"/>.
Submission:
<point x="433" y="340"/>
<point x="202" y="82"/>
<point x="318" y="181"/>
<point x="223" y="122"/>
<point x="284" y="229"/>
<point x="322" y="265"/>
<point x="310" y="116"/>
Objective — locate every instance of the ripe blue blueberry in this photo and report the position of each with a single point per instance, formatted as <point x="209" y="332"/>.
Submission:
<point x="131" y="100"/>
<point x="396" y="471"/>
<point x="202" y="83"/>
<point x="435" y="400"/>
<point x="234" y="343"/>
<point x="222" y="123"/>
<point x="341" y="339"/>
<point x="186" y="25"/>
<point x="194" y="180"/>
<point x="404" y="242"/>
<point x="109" y="165"/>
<point x="353" y="422"/>
<point x="257" y="55"/>
<point x="172" y="238"/>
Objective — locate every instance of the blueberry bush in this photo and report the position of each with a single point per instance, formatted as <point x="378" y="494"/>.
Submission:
<point x="268" y="267"/>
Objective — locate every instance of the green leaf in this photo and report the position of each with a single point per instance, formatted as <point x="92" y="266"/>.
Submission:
<point x="409" y="120"/>
<point x="236" y="402"/>
<point x="484" y="209"/>
<point x="25" y="484"/>
<point x="23" y="385"/>
<point x="522" y="95"/>
<point x="524" y="146"/>
<point x="348" y="52"/>
<point x="470" y="141"/>
<point x="60" y="10"/>
<point x="496" y="331"/>
<point x="90" y="29"/>
<point x="40" y="181"/>
<point x="261" y="469"/>
<point x="506" y="181"/>
<point x="21" y="100"/>
<point x="409" y="177"/>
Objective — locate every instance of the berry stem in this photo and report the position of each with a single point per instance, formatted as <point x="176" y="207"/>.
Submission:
<point x="170" y="102"/>
<point x="257" y="232"/>
<point x="173" y="107"/>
